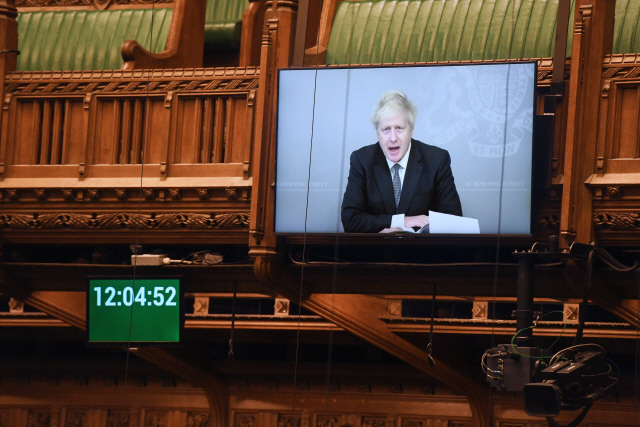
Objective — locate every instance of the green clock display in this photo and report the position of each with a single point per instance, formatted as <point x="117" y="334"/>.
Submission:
<point x="144" y="310"/>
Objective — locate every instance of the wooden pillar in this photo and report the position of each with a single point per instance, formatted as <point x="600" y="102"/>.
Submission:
<point x="8" y="57"/>
<point x="282" y="15"/>
<point x="8" y="38"/>
<point x="277" y="52"/>
<point x="592" y="39"/>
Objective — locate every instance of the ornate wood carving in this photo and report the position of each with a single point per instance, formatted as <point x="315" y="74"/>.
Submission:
<point x="98" y="4"/>
<point x="155" y="419"/>
<point x="616" y="221"/>
<point x="245" y="420"/>
<point x="125" y="220"/>
<point x="548" y="223"/>
<point x="74" y="418"/>
<point x="198" y="419"/>
<point x="116" y="81"/>
<point x="328" y="421"/>
<point x="288" y="420"/>
<point x="374" y="422"/>
<point x="39" y="418"/>
<point x="118" y="419"/>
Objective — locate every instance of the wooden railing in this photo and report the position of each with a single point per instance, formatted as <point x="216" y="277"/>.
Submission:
<point x="80" y="150"/>
<point x="180" y="122"/>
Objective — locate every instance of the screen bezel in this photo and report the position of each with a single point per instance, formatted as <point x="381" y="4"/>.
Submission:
<point x="134" y="343"/>
<point x="407" y="237"/>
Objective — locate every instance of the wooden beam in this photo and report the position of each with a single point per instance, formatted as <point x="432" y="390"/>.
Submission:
<point x="70" y="307"/>
<point x="360" y="315"/>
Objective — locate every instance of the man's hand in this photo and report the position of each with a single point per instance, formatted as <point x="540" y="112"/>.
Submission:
<point x="416" y="221"/>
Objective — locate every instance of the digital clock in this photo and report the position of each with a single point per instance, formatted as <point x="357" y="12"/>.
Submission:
<point x="144" y="310"/>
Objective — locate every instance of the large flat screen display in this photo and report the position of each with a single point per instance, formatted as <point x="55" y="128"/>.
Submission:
<point x="478" y="116"/>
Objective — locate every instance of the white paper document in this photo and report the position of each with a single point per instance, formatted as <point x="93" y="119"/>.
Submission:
<point x="440" y="223"/>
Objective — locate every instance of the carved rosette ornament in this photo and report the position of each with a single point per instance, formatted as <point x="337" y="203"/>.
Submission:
<point x="68" y="195"/>
<point x="93" y="195"/>
<point x="41" y="195"/>
<point x="174" y="194"/>
<point x="232" y="193"/>
<point x="122" y="194"/>
<point x="148" y="194"/>
<point x="614" y="192"/>
<point x="12" y="195"/>
<point x="203" y="194"/>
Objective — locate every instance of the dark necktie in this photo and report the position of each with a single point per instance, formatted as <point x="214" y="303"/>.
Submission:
<point x="397" y="187"/>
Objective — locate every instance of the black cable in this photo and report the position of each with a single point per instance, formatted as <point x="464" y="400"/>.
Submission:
<point x="233" y="319"/>
<point x="304" y="240"/>
<point x="582" y="314"/>
<point x="608" y="259"/>
<point x="432" y="362"/>
<point x="136" y="245"/>
<point x="574" y="423"/>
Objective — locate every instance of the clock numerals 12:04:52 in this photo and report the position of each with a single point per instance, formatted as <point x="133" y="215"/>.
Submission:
<point x="160" y="296"/>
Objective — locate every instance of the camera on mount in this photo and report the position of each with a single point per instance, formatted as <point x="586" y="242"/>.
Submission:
<point x="571" y="381"/>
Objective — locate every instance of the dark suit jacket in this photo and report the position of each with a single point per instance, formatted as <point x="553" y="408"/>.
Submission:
<point x="368" y="203"/>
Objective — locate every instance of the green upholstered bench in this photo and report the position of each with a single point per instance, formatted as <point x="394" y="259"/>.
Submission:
<point x="223" y="24"/>
<point x="87" y="40"/>
<point x="392" y="31"/>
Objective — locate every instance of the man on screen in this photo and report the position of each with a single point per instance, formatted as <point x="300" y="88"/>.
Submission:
<point x="396" y="182"/>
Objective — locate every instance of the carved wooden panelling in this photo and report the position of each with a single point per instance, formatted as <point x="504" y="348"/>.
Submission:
<point x="121" y="128"/>
<point x="199" y="419"/>
<point x="123" y="221"/>
<point x="118" y="419"/>
<point x="245" y="420"/>
<point x="213" y="130"/>
<point x="4" y="418"/>
<point x="155" y="419"/>
<point x="74" y="418"/>
<point x="163" y="117"/>
<point x="39" y="418"/>
<point x="407" y="422"/>
<point x="44" y="133"/>
<point x="625" y="123"/>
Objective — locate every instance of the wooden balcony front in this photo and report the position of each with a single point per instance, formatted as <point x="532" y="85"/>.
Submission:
<point x="84" y="150"/>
